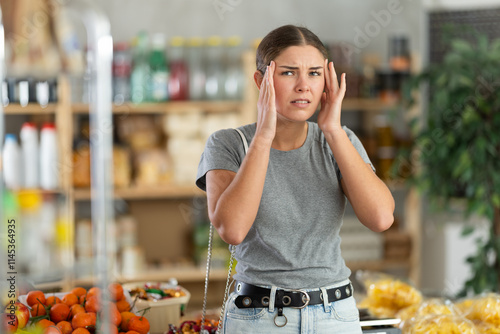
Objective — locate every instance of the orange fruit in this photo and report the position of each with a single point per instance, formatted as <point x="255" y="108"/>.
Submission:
<point x="52" y="330"/>
<point x="92" y="304"/>
<point x="126" y="316"/>
<point x="82" y="299"/>
<point x="70" y="299"/>
<point x="94" y="291"/>
<point x="82" y="320"/>
<point x="79" y="291"/>
<point x="115" y="291"/>
<point x="139" y="324"/>
<point x="59" y="312"/>
<point x="35" y="296"/>
<point x="132" y="332"/>
<point x="65" y="327"/>
<point x="81" y="331"/>
<point x="38" y="309"/>
<point x="123" y="305"/>
<point x="44" y="323"/>
<point x="75" y="309"/>
<point x="52" y="300"/>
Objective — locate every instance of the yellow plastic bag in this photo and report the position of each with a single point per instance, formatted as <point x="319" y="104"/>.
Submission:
<point x="386" y="295"/>
<point x="439" y="324"/>
<point x="484" y="308"/>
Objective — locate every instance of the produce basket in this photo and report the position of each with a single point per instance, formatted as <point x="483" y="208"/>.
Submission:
<point x="162" y="312"/>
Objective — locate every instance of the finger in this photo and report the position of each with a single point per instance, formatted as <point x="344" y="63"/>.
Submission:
<point x="327" y="76"/>
<point x="271" y="83"/>
<point x="271" y="69"/>
<point x="268" y="88"/>
<point x="263" y="88"/>
<point x="343" y="85"/>
<point x="333" y="75"/>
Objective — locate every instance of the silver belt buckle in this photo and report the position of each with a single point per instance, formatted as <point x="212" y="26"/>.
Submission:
<point x="305" y="299"/>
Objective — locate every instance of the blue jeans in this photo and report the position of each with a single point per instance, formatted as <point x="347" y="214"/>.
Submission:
<point x="336" y="317"/>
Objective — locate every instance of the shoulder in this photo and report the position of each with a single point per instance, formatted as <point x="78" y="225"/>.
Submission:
<point x="230" y="134"/>
<point x="229" y="141"/>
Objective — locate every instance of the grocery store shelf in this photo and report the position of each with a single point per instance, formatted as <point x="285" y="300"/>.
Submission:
<point x="167" y="107"/>
<point x="30" y="109"/>
<point x="366" y="104"/>
<point x="27" y="193"/>
<point x="138" y="193"/>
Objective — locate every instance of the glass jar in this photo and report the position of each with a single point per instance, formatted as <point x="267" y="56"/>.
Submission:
<point x="215" y="76"/>
<point x="196" y="68"/>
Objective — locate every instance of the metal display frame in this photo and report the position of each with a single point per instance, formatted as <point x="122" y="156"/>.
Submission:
<point x="99" y="57"/>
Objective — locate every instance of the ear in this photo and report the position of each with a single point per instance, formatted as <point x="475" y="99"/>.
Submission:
<point x="258" y="77"/>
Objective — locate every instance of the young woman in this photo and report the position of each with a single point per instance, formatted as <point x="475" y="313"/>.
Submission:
<point x="282" y="202"/>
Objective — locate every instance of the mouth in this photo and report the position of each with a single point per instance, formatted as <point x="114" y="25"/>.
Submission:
<point x="301" y="102"/>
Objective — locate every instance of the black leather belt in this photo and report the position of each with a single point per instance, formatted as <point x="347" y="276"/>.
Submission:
<point x="252" y="296"/>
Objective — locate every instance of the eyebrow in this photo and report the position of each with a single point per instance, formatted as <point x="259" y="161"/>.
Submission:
<point x="296" y="68"/>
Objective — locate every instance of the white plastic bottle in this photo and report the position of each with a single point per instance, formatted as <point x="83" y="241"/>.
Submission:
<point x="29" y="148"/>
<point x="11" y="162"/>
<point x="49" y="171"/>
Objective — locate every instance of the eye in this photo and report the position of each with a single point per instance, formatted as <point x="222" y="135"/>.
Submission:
<point x="287" y="73"/>
<point x="315" y="73"/>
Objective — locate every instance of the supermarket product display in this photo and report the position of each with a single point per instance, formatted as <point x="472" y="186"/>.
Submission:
<point x="387" y="296"/>
<point x="76" y="311"/>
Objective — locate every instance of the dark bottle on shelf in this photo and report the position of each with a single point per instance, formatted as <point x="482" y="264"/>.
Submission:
<point x="178" y="81"/>
<point x="399" y="54"/>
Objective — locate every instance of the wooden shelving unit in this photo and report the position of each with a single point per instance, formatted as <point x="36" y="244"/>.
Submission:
<point x="30" y="109"/>
<point x="366" y="105"/>
<point x="168" y="107"/>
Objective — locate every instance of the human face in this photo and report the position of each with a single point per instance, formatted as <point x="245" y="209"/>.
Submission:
<point x="298" y="82"/>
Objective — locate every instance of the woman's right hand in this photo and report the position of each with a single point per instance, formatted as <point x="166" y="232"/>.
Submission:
<point x="266" y="105"/>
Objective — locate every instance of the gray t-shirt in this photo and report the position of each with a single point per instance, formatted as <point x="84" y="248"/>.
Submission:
<point x="294" y="242"/>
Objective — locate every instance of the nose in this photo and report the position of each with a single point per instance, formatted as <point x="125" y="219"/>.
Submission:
<point x="302" y="84"/>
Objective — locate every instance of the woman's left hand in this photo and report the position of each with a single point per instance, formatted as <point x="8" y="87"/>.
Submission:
<point x="331" y="101"/>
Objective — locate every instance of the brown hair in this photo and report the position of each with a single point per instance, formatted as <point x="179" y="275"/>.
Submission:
<point x="281" y="38"/>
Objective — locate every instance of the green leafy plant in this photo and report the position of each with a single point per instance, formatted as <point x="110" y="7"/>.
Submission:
<point x="456" y="147"/>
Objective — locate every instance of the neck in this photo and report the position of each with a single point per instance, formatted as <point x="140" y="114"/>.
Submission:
<point x="290" y="135"/>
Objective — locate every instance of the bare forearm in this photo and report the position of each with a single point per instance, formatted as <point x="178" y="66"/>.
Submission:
<point x="370" y="198"/>
<point x="236" y="208"/>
